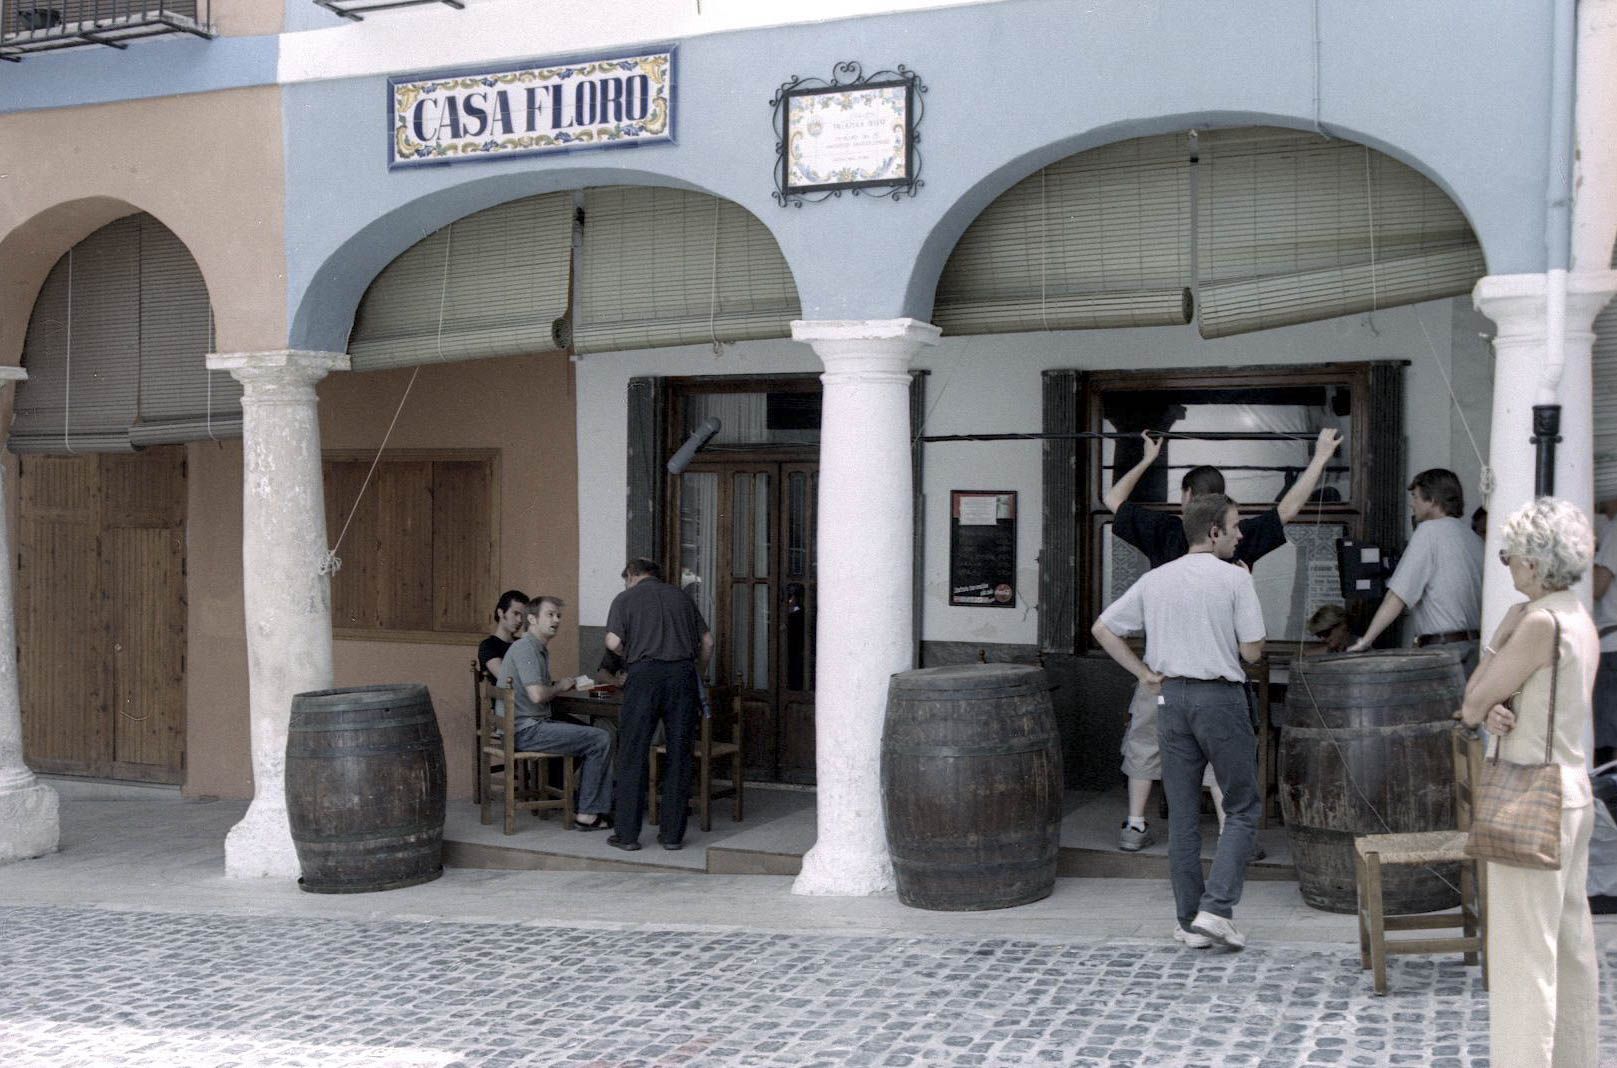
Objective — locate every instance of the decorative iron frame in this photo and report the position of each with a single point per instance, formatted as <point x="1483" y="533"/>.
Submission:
<point x="356" y="9"/>
<point x="849" y="75"/>
<point x="29" y="26"/>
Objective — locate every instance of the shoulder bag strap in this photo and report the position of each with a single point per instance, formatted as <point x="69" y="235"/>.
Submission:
<point x="1555" y="671"/>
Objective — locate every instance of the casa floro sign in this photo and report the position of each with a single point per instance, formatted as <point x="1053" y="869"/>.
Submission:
<point x="492" y="114"/>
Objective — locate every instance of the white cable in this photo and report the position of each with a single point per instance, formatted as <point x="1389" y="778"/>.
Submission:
<point x="1044" y="251"/>
<point x="1370" y="210"/>
<point x="67" y="390"/>
<point x="1486" y="478"/>
<point x="713" y="285"/>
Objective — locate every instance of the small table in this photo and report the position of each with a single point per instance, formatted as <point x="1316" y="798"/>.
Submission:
<point x="596" y="708"/>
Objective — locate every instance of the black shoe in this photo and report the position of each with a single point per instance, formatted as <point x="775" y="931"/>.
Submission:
<point x="672" y="847"/>
<point x="623" y="843"/>
<point x="600" y="822"/>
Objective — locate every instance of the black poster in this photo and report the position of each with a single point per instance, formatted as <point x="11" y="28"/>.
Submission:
<point x="982" y="548"/>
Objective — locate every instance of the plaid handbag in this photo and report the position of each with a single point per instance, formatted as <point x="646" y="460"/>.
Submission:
<point x="1517" y="818"/>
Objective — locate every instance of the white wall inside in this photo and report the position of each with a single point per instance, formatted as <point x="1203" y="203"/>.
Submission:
<point x="992" y="384"/>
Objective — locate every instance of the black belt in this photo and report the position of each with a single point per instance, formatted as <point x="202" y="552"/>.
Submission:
<point x="1448" y="637"/>
<point x="1605" y="631"/>
<point x="1202" y="682"/>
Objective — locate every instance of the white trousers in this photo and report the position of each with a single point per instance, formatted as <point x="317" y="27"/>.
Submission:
<point x="1543" y="978"/>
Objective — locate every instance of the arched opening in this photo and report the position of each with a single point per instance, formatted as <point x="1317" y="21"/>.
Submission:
<point x="117" y="385"/>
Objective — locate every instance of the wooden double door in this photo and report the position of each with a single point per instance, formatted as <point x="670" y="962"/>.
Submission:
<point x="101" y="614"/>
<point x="744" y="547"/>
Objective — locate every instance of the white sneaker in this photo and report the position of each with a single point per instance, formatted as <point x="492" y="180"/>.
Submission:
<point x="1218" y="929"/>
<point x="1190" y="938"/>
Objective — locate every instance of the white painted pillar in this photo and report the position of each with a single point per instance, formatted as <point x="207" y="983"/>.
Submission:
<point x="1518" y="303"/>
<point x="288" y="598"/>
<point x="29" y="821"/>
<point x="866" y="576"/>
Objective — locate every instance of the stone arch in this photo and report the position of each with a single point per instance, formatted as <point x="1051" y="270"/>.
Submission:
<point x="952" y="222"/>
<point x="323" y="306"/>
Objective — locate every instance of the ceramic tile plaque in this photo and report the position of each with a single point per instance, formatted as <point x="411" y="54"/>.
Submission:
<point x="554" y="107"/>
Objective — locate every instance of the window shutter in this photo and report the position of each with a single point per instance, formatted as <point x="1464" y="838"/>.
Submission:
<point x="1605" y="398"/>
<point x="672" y="267"/>
<point x="1096" y="240"/>
<point x="1294" y="228"/>
<point x="180" y="399"/>
<point x="505" y="293"/>
<point x="81" y="349"/>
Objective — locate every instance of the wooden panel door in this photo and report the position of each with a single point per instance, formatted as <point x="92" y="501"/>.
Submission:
<point x="102" y="614"/>
<point x="799" y="609"/>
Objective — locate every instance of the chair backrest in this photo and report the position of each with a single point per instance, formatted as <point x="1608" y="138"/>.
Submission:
<point x="1466" y="746"/>
<point x="495" y="707"/>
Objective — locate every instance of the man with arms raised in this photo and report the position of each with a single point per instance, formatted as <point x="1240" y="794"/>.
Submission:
<point x="1161" y="537"/>
<point x="526" y="669"/>
<point x="664" y="640"/>
<point x="1201" y="618"/>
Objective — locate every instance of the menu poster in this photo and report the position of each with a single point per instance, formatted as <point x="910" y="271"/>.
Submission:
<point x="840" y="137"/>
<point x="982" y="548"/>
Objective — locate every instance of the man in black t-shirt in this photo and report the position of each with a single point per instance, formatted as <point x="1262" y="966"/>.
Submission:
<point x="1161" y="537"/>
<point x="510" y="616"/>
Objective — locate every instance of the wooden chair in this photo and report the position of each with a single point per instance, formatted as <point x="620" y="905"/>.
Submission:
<point x="520" y="775"/>
<point x="1373" y="852"/>
<point x="706" y="751"/>
<point x="477" y="731"/>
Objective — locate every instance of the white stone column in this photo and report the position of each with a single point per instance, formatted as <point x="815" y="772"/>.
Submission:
<point x="1518" y="303"/>
<point x="29" y="822"/>
<point x="866" y="554"/>
<point x="288" y="598"/>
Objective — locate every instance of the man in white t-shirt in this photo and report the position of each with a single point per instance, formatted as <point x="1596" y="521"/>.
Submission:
<point x="1605" y="591"/>
<point x="1439" y="578"/>
<point x="1201" y="618"/>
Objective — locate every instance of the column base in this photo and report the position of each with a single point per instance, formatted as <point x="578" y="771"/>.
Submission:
<point x="30" y="822"/>
<point x="843" y="873"/>
<point x="260" y="846"/>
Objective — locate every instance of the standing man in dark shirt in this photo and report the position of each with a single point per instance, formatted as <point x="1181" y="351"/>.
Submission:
<point x="663" y="638"/>
<point x="1161" y="537"/>
<point x="510" y="616"/>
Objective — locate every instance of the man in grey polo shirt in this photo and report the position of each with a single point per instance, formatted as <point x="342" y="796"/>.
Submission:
<point x="526" y="669"/>
<point x="1201" y="618"/>
<point x="1439" y="578"/>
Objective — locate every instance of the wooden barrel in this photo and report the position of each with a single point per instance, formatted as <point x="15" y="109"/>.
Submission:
<point x="971" y="786"/>
<point x="365" y="788"/>
<point x="1364" y="749"/>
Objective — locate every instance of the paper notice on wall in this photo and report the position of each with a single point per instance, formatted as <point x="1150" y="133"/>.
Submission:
<point x="979" y="511"/>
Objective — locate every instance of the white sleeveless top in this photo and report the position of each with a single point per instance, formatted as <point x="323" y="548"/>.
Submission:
<point x="1580" y="658"/>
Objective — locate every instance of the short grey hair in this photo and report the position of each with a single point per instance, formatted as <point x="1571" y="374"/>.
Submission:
<point x="1555" y="534"/>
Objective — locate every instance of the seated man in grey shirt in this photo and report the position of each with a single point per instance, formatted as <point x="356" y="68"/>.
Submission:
<point x="526" y="669"/>
<point x="1201" y="618"/>
<point x="1439" y="578"/>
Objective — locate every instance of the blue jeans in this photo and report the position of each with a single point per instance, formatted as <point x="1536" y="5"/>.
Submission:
<point x="1201" y="723"/>
<point x="591" y="743"/>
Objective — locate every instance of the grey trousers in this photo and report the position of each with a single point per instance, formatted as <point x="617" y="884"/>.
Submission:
<point x="1201" y="723"/>
<point x="591" y="743"/>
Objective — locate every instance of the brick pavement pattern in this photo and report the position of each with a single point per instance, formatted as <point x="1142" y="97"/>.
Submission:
<point x="93" y="987"/>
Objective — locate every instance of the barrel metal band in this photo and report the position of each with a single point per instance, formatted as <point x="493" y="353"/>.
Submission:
<point x="378" y="835"/>
<point x="1403" y="730"/>
<point x="975" y="865"/>
<point x="417" y="720"/>
<point x="1013" y="748"/>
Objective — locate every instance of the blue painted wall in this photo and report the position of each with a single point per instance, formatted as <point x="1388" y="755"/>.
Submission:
<point x="1455" y="88"/>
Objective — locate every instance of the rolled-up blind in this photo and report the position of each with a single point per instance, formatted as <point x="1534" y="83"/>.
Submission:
<point x="1605" y="385"/>
<point x="1294" y="227"/>
<point x="672" y="267"/>
<point x="180" y="399"/>
<point x="82" y="349"/>
<point x="1100" y="239"/>
<point x="492" y="284"/>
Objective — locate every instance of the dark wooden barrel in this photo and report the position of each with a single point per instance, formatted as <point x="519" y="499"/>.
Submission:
<point x="971" y="786"/>
<point x="365" y="788"/>
<point x="1364" y="749"/>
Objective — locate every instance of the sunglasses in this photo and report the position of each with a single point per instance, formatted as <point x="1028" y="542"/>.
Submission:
<point x="1504" y="557"/>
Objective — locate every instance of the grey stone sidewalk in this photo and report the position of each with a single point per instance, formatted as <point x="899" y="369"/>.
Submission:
<point x="99" y="987"/>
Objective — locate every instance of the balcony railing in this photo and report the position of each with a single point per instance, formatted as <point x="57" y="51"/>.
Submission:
<point x="28" y="26"/>
<point x="356" y="9"/>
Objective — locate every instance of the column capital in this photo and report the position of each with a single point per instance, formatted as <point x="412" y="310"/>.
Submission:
<point x="864" y="348"/>
<point x="279" y="367"/>
<point x="1516" y="302"/>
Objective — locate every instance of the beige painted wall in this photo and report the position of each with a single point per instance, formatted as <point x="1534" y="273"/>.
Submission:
<point x="523" y="406"/>
<point x="208" y="166"/>
<point x="248" y="18"/>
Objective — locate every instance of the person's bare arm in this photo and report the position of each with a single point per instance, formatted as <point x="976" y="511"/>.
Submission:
<point x="1120" y="651"/>
<point x="706" y="652"/>
<point x="1252" y="652"/>
<point x="1602" y="578"/>
<point x="1392" y="606"/>
<point x="1324" y="448"/>
<point x="1123" y="488"/>
<point x="493" y="666"/>
<point x="614" y="643"/>
<point x="540" y="692"/>
<point x="1525" y="651"/>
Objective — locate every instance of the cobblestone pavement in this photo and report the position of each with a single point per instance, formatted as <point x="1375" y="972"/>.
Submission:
<point x="96" y="987"/>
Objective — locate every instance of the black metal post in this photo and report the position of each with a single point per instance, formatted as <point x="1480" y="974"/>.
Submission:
<point x="1546" y="434"/>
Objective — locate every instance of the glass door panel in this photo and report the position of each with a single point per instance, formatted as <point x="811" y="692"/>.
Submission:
<point x="699" y="545"/>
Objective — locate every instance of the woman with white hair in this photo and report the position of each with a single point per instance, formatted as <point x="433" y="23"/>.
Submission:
<point x="1543" y="976"/>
